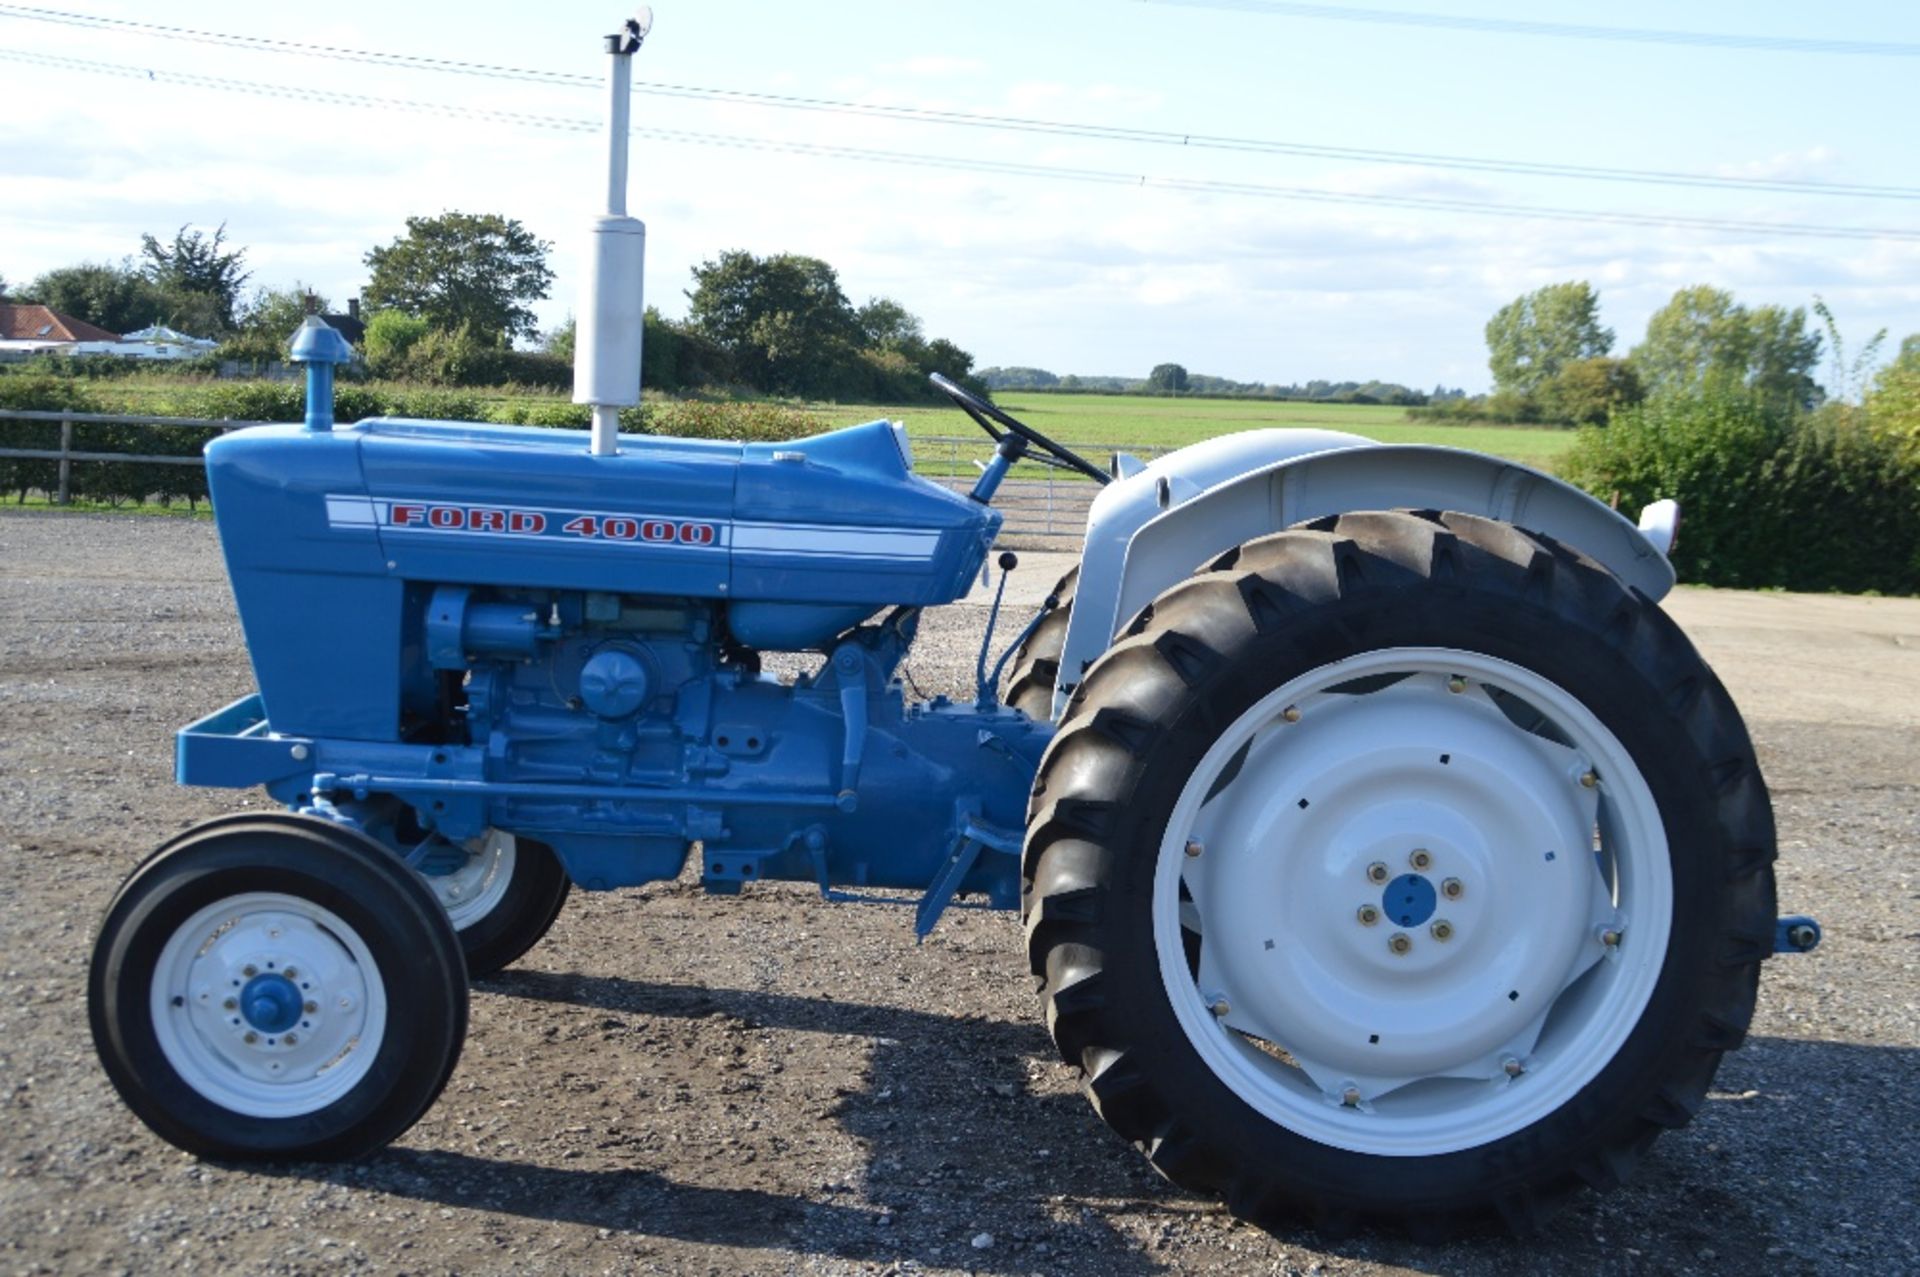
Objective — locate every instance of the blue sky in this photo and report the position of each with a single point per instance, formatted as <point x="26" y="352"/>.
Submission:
<point x="1019" y="270"/>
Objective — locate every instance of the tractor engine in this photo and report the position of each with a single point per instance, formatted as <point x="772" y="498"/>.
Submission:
<point x="621" y="729"/>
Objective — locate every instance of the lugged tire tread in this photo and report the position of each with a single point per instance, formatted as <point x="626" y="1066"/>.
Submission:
<point x="1036" y="663"/>
<point x="1258" y="589"/>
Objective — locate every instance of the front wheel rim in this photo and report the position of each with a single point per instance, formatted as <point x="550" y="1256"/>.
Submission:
<point x="268" y="1005"/>
<point x="1412" y="901"/>
<point x="474" y="889"/>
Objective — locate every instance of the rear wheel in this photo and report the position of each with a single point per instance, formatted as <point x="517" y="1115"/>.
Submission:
<point x="1403" y="867"/>
<point x="1036" y="665"/>
<point x="276" y="987"/>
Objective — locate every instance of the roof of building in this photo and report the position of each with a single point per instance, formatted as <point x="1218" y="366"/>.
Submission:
<point x="157" y="333"/>
<point x="23" y="322"/>
<point x="349" y="325"/>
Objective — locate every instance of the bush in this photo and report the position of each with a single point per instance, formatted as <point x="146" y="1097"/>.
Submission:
<point x="693" y="419"/>
<point x="391" y="334"/>
<point x="21" y="475"/>
<point x="116" y="483"/>
<point x="1770" y="496"/>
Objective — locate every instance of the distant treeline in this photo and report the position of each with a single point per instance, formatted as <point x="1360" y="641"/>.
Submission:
<point x="1171" y="380"/>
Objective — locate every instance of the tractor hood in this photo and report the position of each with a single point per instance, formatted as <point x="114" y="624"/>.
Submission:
<point x="326" y="531"/>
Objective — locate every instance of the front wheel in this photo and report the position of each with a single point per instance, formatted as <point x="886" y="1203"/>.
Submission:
<point x="276" y="987"/>
<point x="1401" y="867"/>
<point x="502" y="894"/>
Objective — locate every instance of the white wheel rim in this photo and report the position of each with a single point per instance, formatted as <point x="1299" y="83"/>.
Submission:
<point x="477" y="887"/>
<point x="268" y="1005"/>
<point x="1318" y="1019"/>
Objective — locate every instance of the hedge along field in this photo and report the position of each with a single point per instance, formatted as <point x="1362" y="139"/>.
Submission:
<point x="1150" y="421"/>
<point x="114" y="483"/>
<point x="1770" y="497"/>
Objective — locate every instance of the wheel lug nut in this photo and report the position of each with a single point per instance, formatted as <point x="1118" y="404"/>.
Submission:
<point x="1400" y="942"/>
<point x="1377" y="871"/>
<point x="1368" y="915"/>
<point x="1351" y="1097"/>
<point x="250" y="1037"/>
<point x="291" y="1039"/>
<point x="291" y="974"/>
<point x="1512" y="1067"/>
<point x="1291" y="713"/>
<point x="1456" y="684"/>
<point x="1453" y="889"/>
<point x="1194" y="847"/>
<point x="1441" y="929"/>
<point x="1421" y="858"/>
<point x="249" y="971"/>
<point x="231" y="1004"/>
<point x="1220" y="1007"/>
<point x="310" y="1007"/>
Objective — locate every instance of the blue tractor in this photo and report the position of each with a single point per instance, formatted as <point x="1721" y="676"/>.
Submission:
<point x="1384" y="851"/>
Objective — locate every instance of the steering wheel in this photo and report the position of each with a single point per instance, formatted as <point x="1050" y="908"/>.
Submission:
<point x="985" y="415"/>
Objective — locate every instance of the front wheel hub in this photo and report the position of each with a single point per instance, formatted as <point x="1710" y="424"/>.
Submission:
<point x="271" y="1003"/>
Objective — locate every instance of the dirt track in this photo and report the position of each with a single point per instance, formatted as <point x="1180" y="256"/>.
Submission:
<point x="769" y="1084"/>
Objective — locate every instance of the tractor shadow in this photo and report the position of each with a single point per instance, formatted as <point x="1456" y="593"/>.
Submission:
<point x="955" y="1143"/>
<point x="956" y="1137"/>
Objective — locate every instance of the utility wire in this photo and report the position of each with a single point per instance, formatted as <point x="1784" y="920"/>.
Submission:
<point x="963" y="164"/>
<point x="1565" y="30"/>
<point x="978" y="120"/>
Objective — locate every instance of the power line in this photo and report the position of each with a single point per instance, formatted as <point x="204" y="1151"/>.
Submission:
<point x="1567" y="30"/>
<point x="964" y="164"/>
<point x="979" y="120"/>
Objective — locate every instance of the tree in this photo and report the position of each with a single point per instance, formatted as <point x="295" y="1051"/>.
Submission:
<point x="200" y="280"/>
<point x="1167" y="379"/>
<point x="478" y="270"/>
<point x="1533" y="337"/>
<point x="1850" y="376"/>
<point x="119" y="299"/>
<point x="887" y="324"/>
<point x="1586" y="392"/>
<point x="1893" y="405"/>
<point x="947" y="359"/>
<point x="267" y="323"/>
<point x="1703" y="337"/>
<point x="783" y="321"/>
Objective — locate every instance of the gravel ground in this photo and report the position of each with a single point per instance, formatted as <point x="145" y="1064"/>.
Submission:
<point x="677" y="1083"/>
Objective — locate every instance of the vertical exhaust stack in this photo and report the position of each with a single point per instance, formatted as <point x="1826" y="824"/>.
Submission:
<point x="606" y="349"/>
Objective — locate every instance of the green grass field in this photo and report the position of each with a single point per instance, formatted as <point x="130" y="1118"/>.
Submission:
<point x="1141" y="422"/>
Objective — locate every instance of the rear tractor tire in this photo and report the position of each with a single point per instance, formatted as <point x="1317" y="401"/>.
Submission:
<point x="1400" y="868"/>
<point x="276" y="987"/>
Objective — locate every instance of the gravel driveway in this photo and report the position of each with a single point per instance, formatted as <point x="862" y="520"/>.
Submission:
<point x="677" y="1083"/>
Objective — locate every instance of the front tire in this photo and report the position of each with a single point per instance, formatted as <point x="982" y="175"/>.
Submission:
<point x="276" y="987"/>
<point x="502" y="896"/>
<point x="1402" y="867"/>
<point x="1036" y="664"/>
